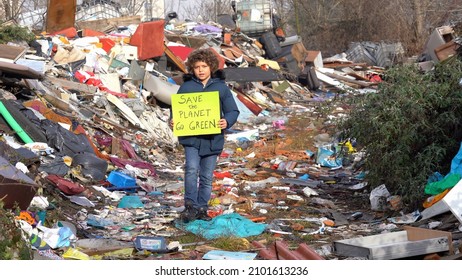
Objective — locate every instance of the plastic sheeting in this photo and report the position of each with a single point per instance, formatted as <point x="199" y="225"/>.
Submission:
<point x="225" y="225"/>
<point x="119" y="162"/>
<point x="57" y="167"/>
<point x="91" y="166"/>
<point x="437" y="183"/>
<point x="158" y="128"/>
<point x="65" y="142"/>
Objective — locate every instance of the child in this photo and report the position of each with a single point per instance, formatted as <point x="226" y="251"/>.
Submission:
<point x="201" y="151"/>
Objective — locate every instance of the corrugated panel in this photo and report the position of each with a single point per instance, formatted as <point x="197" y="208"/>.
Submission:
<point x="360" y="53"/>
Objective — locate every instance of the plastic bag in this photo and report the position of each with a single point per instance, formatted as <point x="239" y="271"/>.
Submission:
<point x="327" y="158"/>
<point x="378" y="198"/>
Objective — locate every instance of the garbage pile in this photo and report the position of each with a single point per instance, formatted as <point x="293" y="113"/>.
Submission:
<point x="90" y="161"/>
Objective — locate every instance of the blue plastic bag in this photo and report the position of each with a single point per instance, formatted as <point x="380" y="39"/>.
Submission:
<point x="327" y="158"/>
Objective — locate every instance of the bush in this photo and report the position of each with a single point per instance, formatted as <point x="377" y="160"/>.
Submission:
<point x="410" y="128"/>
<point x="12" y="33"/>
<point x="12" y="245"/>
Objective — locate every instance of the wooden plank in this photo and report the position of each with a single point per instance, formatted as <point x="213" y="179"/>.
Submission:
<point x="333" y="82"/>
<point x="73" y="85"/>
<point x="343" y="64"/>
<point x="177" y="61"/>
<point x="189" y="41"/>
<point x="446" y="50"/>
<point x="274" y="96"/>
<point x="345" y="79"/>
<point x="353" y="73"/>
<point x="122" y="129"/>
<point x="11" y="53"/>
<point x="60" y="15"/>
<point x="237" y="53"/>
<point x="102" y="24"/>
<point x="418" y="234"/>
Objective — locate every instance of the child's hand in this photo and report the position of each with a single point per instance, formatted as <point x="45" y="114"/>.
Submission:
<point x="171" y="123"/>
<point x="222" y="123"/>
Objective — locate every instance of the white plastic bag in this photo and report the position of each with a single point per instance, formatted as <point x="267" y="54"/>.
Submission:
<point x="378" y="198"/>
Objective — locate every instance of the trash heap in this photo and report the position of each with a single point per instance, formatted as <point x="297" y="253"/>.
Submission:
<point x="93" y="170"/>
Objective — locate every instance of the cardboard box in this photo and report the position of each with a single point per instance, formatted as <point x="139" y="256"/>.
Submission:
<point x="439" y="36"/>
<point x="395" y="245"/>
<point x="446" y="50"/>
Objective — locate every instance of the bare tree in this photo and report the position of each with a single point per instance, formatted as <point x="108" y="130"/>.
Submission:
<point x="173" y="6"/>
<point x="330" y="25"/>
<point x="208" y="10"/>
<point x="11" y="8"/>
<point x="286" y="11"/>
<point x="132" y="7"/>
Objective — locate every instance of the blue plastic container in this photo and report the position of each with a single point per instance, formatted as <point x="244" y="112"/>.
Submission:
<point x="120" y="179"/>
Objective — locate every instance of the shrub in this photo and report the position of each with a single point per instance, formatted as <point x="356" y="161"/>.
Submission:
<point x="12" y="33"/>
<point x="410" y="128"/>
<point x="12" y="245"/>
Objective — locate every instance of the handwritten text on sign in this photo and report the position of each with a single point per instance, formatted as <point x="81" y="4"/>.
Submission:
<point x="196" y="113"/>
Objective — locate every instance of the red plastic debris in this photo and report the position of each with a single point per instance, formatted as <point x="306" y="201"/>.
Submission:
<point x="66" y="186"/>
<point x="221" y="175"/>
<point x="70" y="32"/>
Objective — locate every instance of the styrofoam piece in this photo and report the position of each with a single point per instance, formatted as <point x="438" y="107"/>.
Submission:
<point x="436" y="209"/>
<point x="453" y="200"/>
<point x="407" y="243"/>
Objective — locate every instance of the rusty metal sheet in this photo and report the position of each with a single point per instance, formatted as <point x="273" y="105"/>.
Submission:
<point x="60" y="15"/>
<point x="17" y="194"/>
<point x="16" y="188"/>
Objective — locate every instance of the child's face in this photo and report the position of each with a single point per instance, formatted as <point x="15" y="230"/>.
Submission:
<point x="202" y="71"/>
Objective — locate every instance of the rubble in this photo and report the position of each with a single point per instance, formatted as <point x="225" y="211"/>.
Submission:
<point x="91" y="146"/>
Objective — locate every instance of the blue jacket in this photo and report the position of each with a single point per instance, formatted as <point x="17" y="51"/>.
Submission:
<point x="214" y="143"/>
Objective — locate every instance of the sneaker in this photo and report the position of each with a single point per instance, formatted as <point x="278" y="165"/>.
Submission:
<point x="188" y="214"/>
<point x="202" y="215"/>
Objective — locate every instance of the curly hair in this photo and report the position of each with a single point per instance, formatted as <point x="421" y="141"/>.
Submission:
<point x="205" y="55"/>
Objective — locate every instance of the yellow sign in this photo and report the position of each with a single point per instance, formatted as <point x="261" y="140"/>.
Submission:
<point x="196" y="113"/>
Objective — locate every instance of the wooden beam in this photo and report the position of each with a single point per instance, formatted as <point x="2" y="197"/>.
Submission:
<point x="189" y="41"/>
<point x="11" y="53"/>
<point x="345" y="79"/>
<point x="343" y="64"/>
<point x="102" y="24"/>
<point x="73" y="85"/>
<point x="178" y="62"/>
